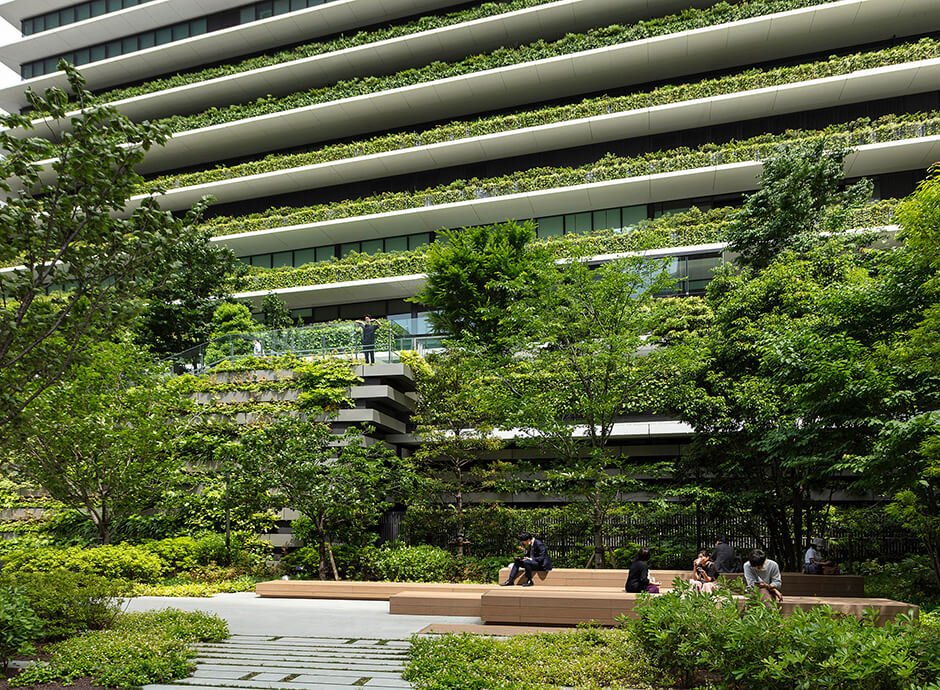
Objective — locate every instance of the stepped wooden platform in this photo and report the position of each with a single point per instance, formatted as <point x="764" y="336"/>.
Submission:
<point x="563" y="597"/>
<point x="794" y="584"/>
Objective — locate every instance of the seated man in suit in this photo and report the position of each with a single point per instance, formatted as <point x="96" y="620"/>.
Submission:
<point x="535" y="559"/>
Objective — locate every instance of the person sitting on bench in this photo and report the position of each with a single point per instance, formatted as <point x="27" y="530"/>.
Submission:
<point x="763" y="574"/>
<point x="535" y="559"/>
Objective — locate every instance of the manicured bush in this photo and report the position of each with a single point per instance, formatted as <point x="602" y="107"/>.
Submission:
<point x="69" y="603"/>
<point x="119" y="562"/>
<point x="911" y="580"/>
<point x="179" y="553"/>
<point x="19" y="624"/>
<point x="609" y="167"/>
<point x="413" y="564"/>
<point x="588" y="658"/>
<point x="142" y="648"/>
<point x="603" y="105"/>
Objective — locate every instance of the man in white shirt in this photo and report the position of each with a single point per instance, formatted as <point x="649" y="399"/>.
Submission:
<point x="811" y="560"/>
<point x="763" y="574"/>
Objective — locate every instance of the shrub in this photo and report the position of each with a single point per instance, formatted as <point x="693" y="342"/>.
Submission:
<point x="120" y="562"/>
<point x="19" y="624"/>
<point x="693" y="636"/>
<point x="911" y="580"/>
<point x="179" y="553"/>
<point x="414" y="564"/>
<point x="69" y="603"/>
<point x="143" y="648"/>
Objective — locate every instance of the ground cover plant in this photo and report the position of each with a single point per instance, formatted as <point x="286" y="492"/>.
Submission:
<point x="140" y="648"/>
<point x="694" y="640"/>
<point x="610" y="167"/>
<point x="926" y="48"/>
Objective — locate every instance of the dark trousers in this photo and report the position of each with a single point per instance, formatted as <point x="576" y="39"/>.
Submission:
<point x="368" y="350"/>
<point x="526" y="564"/>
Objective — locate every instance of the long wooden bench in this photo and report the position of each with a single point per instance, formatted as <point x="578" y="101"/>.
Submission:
<point x="345" y="589"/>
<point x="794" y="584"/>
<point x="425" y="603"/>
<point x="572" y="605"/>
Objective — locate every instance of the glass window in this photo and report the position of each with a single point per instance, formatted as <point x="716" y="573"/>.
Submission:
<point x="197" y="27"/>
<point x="83" y="11"/>
<point x="297" y="5"/>
<point x="552" y="226"/>
<point x="98" y="7"/>
<point x="83" y="56"/>
<point x="180" y="31"/>
<point x="348" y="247"/>
<point x="129" y="44"/>
<point x="97" y="53"/>
<point x="396" y="244"/>
<point x="26" y="70"/>
<point x="282" y="259"/>
<point x="608" y="219"/>
<point x="147" y="40"/>
<point x="114" y="5"/>
<point x="67" y="15"/>
<point x="246" y="15"/>
<point x="371" y="246"/>
<point x="326" y="253"/>
<point x="281" y="6"/>
<point x="112" y="48"/>
<point x="262" y="260"/>
<point x="419" y="240"/>
<point x="326" y="314"/>
<point x="578" y="222"/>
<point x="52" y="20"/>
<point x="304" y="315"/>
<point x="26" y="27"/>
<point x="164" y="35"/>
<point x="51" y="65"/>
<point x="700" y="270"/>
<point x="632" y="215"/>
<point x="304" y="256"/>
<point x="263" y="10"/>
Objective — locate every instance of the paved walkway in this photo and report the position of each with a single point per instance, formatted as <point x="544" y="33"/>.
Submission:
<point x="299" y="644"/>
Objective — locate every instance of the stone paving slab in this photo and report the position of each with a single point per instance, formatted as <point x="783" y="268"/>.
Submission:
<point x="295" y="663"/>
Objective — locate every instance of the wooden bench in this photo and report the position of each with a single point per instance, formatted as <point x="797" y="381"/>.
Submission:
<point x="794" y="584"/>
<point x="572" y="605"/>
<point x="345" y="589"/>
<point x="425" y="603"/>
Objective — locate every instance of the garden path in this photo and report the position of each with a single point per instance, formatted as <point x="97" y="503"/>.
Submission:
<point x="300" y="644"/>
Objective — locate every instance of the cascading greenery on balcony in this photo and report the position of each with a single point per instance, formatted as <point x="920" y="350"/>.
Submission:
<point x="682" y="229"/>
<point x="573" y="43"/>
<point x="610" y="167"/>
<point x="924" y="49"/>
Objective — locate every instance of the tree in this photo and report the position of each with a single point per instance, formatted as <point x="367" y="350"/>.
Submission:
<point x="274" y="312"/>
<point x="81" y="271"/>
<point x="799" y="199"/>
<point x="231" y="324"/>
<point x="455" y="427"/>
<point x="101" y="441"/>
<point x="178" y="314"/>
<point x="339" y="482"/>
<point x="476" y="274"/>
<point x="584" y="369"/>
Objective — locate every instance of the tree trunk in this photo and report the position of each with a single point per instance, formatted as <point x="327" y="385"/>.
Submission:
<point x="329" y="549"/>
<point x="598" y="526"/>
<point x="458" y="499"/>
<point x="325" y="555"/>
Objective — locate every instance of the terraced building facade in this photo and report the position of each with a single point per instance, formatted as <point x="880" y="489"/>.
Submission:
<point x="339" y="136"/>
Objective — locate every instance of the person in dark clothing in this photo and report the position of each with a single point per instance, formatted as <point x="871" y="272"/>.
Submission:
<point x="535" y="559"/>
<point x="369" y="327"/>
<point x="724" y="557"/>
<point x="638" y="579"/>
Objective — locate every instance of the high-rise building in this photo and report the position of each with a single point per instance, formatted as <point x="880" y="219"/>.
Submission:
<point x="331" y="129"/>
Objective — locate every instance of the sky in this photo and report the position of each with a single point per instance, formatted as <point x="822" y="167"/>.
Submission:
<point x="7" y="33"/>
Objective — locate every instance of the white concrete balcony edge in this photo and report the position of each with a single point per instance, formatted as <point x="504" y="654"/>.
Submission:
<point x="857" y="87"/>
<point x="869" y="159"/>
<point x="398" y="287"/>
<point x="14" y="11"/>
<point x="446" y="43"/>
<point x="103" y="28"/>
<point x="824" y="27"/>
<point x="284" y="29"/>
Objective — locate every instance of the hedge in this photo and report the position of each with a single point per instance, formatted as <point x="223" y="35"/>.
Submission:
<point x="121" y="561"/>
<point x="615" y="34"/>
<point x="681" y="229"/>
<point x="924" y="49"/>
<point x="609" y="167"/>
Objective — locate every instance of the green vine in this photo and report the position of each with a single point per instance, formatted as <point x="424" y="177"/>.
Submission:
<point x="610" y="167"/>
<point x="681" y="229"/>
<point x="572" y="43"/>
<point x="924" y="49"/>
